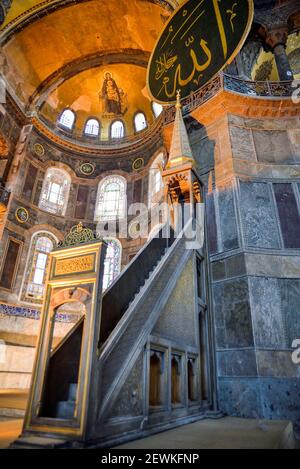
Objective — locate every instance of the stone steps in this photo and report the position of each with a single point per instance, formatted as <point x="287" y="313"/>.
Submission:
<point x="129" y="335"/>
<point x="65" y="409"/>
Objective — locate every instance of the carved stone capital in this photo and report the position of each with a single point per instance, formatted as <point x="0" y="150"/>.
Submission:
<point x="276" y="37"/>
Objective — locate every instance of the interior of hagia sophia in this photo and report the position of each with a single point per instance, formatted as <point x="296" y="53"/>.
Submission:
<point x="81" y="140"/>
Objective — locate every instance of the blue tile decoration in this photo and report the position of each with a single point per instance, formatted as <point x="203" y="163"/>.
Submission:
<point x="28" y="313"/>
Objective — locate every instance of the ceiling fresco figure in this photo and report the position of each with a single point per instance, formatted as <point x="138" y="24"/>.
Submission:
<point x="111" y="95"/>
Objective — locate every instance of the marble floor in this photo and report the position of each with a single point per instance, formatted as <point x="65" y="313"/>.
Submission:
<point x="10" y="429"/>
<point x="225" y="433"/>
<point x="228" y="432"/>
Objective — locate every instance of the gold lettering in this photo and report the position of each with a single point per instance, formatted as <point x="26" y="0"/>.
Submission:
<point x="178" y="80"/>
<point x="232" y="15"/>
<point x="163" y="65"/>
<point x="189" y="41"/>
<point x="169" y="33"/>
<point x="220" y="26"/>
<point x="199" y="16"/>
<point x="183" y="24"/>
<point x="74" y="265"/>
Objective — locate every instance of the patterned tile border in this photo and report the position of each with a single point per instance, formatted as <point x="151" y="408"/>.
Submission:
<point x="28" y="313"/>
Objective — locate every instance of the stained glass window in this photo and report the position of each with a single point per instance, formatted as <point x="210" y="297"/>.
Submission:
<point x="117" y="129"/>
<point x="37" y="264"/>
<point x="92" y="128"/>
<point x="157" y="109"/>
<point x="111" y="203"/>
<point x="155" y="180"/>
<point x="55" y="192"/>
<point x="67" y="119"/>
<point x="112" y="263"/>
<point x="140" y="122"/>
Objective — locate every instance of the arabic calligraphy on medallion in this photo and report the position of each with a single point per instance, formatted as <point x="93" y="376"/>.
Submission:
<point x="75" y="265"/>
<point x="198" y="41"/>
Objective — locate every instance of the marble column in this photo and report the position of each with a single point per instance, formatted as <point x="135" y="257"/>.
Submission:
<point x="276" y="40"/>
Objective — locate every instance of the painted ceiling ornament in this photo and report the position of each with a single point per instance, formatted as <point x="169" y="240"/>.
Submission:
<point x="21" y="215"/>
<point x="113" y="98"/>
<point x="197" y="42"/>
<point x="87" y="168"/>
<point x="78" y="235"/>
<point x="39" y="150"/>
<point x="138" y="164"/>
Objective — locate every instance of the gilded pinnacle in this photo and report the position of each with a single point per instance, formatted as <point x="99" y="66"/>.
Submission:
<point x="178" y="105"/>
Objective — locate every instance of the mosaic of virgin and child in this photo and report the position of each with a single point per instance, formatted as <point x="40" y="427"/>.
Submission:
<point x="114" y="99"/>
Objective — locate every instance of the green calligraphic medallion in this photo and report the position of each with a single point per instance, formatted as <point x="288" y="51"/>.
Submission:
<point x="22" y="215"/>
<point x="138" y="164"/>
<point x="198" y="41"/>
<point x="87" y="169"/>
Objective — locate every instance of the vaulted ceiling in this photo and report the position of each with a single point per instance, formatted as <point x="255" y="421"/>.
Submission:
<point x="54" y="53"/>
<point x="81" y="35"/>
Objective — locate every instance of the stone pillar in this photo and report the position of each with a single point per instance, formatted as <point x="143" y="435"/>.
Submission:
<point x="276" y="41"/>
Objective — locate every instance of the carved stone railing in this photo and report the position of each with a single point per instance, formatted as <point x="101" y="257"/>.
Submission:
<point x="261" y="89"/>
<point x="4" y="199"/>
<point x="269" y="89"/>
<point x="205" y="93"/>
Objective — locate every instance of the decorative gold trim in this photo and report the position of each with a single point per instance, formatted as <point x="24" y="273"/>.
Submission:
<point x="78" y="235"/>
<point x="74" y="428"/>
<point x="74" y="265"/>
<point x="39" y="150"/>
<point x="87" y="163"/>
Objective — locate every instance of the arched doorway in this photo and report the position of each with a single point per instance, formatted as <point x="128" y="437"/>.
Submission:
<point x="64" y="359"/>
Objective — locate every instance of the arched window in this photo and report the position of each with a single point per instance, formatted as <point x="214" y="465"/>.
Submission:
<point x="37" y="263"/>
<point x="157" y="109"/>
<point x="111" y="199"/>
<point x="112" y="262"/>
<point x="92" y="128"/>
<point x="55" y="191"/>
<point x="117" y="129"/>
<point x="67" y="119"/>
<point x="140" y="122"/>
<point x="155" y="180"/>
